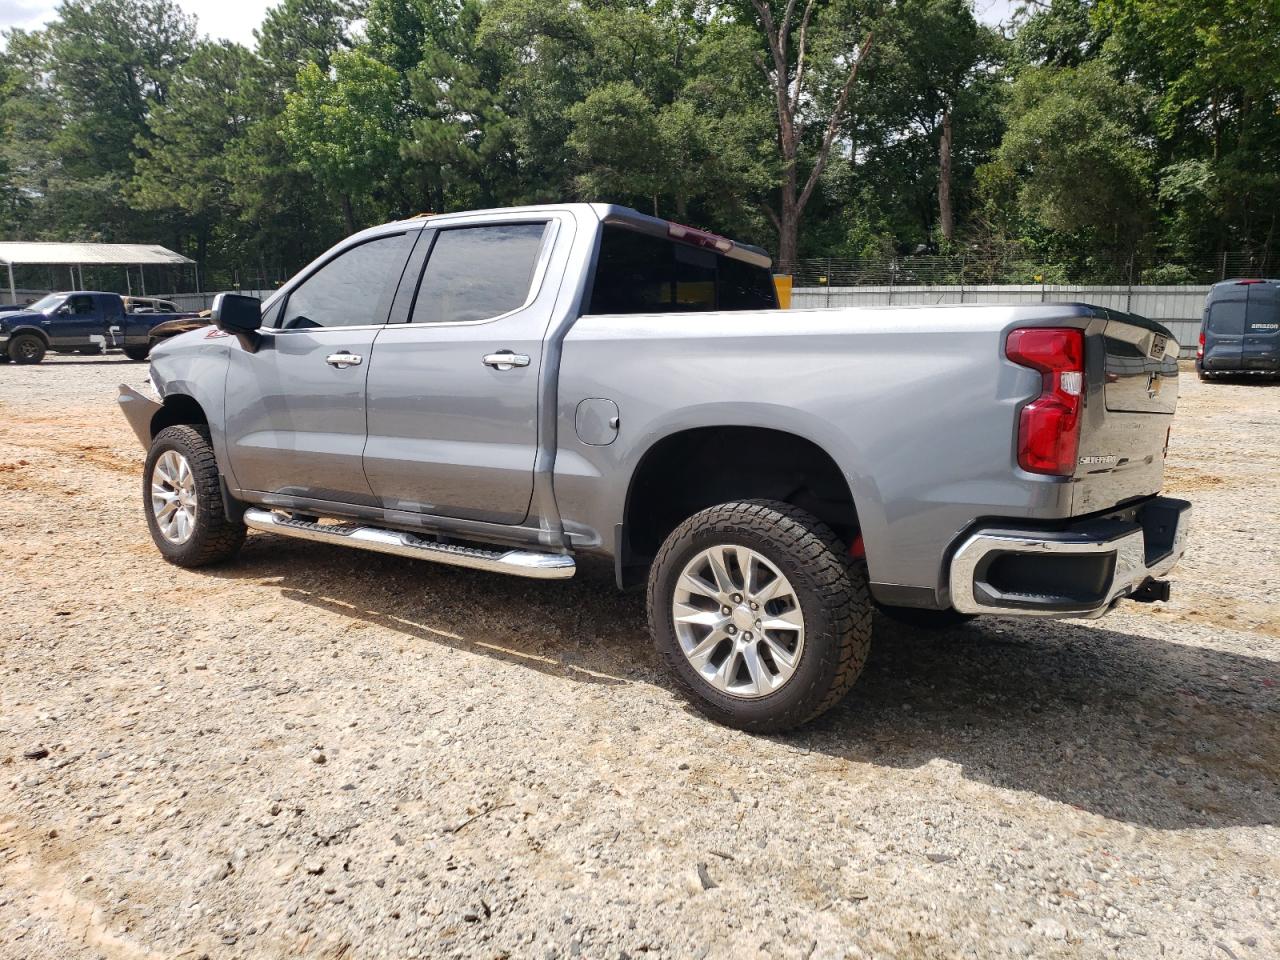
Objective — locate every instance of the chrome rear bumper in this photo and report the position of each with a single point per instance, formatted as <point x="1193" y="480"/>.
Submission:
<point x="1079" y="571"/>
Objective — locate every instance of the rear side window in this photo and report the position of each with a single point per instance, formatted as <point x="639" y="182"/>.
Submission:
<point x="639" y="273"/>
<point x="1226" y="318"/>
<point x="478" y="273"/>
<point x="353" y="289"/>
<point x="1264" y="309"/>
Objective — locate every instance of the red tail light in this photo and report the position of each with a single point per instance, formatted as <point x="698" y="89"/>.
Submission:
<point x="1049" y="426"/>
<point x="1200" y="349"/>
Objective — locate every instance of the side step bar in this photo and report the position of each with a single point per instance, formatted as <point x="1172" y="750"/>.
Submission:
<point x="520" y="563"/>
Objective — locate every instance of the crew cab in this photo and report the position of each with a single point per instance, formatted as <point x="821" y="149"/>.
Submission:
<point x="520" y="390"/>
<point x="78" y="321"/>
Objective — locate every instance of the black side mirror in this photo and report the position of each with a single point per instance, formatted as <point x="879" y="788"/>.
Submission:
<point x="63" y="311"/>
<point x="240" y="315"/>
<point x="236" y="314"/>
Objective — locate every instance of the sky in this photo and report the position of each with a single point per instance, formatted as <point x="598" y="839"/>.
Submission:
<point x="236" y="19"/>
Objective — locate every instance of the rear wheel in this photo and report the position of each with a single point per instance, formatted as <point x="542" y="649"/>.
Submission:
<point x="183" y="498"/>
<point x="26" y="348"/>
<point x="137" y="353"/>
<point x="759" y="614"/>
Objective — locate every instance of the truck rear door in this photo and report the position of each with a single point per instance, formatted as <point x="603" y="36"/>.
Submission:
<point x="1261" y="347"/>
<point x="453" y="394"/>
<point x="1224" y="329"/>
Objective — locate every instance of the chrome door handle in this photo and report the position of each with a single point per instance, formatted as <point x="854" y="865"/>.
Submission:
<point x="343" y="360"/>
<point x="505" y="360"/>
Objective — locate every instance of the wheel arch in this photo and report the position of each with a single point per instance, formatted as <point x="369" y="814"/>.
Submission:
<point x="178" y="409"/>
<point x="34" y="330"/>
<point x="693" y="468"/>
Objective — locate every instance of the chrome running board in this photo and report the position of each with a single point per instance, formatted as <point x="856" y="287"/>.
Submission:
<point x="520" y="563"/>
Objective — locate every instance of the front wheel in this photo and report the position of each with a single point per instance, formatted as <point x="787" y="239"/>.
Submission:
<point x="26" y="348"/>
<point x="137" y="353"/>
<point x="759" y="614"/>
<point x="184" y="507"/>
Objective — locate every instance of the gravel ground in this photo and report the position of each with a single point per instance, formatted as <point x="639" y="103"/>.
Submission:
<point x="321" y="753"/>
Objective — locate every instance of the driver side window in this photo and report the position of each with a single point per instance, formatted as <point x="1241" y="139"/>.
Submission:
<point x="353" y="289"/>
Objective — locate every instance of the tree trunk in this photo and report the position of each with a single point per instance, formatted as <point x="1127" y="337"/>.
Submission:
<point x="348" y="214"/>
<point x="945" y="218"/>
<point x="789" y="220"/>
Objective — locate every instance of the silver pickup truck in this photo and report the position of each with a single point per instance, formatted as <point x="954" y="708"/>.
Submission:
<point x="518" y="390"/>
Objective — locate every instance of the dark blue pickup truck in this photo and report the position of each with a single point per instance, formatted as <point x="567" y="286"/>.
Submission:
<point x="79" y="321"/>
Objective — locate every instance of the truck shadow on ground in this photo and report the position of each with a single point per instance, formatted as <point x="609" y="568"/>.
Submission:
<point x="1130" y="727"/>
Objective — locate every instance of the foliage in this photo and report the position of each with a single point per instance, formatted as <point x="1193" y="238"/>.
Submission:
<point x="1097" y="132"/>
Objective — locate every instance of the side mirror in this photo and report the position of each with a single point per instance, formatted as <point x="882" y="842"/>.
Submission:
<point x="240" y="315"/>
<point x="236" y="314"/>
<point x="63" y="311"/>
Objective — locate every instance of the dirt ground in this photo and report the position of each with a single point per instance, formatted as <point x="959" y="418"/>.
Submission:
<point x="321" y="753"/>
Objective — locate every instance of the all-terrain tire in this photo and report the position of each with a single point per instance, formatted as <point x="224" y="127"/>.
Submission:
<point x="137" y="354"/>
<point x="922" y="619"/>
<point x="214" y="537"/>
<point x="26" y="348"/>
<point x="830" y="588"/>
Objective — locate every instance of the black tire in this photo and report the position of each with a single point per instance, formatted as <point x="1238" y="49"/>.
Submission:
<point x="26" y="348"/>
<point x="922" y="619"/>
<point x="831" y="591"/>
<point x="138" y="354"/>
<point x="214" y="538"/>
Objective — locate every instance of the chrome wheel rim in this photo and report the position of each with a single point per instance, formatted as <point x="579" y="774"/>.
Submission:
<point x="738" y="621"/>
<point x="173" y="497"/>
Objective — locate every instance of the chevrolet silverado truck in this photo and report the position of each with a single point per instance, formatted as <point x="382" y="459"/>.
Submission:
<point x="78" y="321"/>
<point x="521" y="390"/>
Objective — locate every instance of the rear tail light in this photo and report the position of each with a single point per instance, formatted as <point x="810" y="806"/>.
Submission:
<point x="1200" y="349"/>
<point x="1049" y="426"/>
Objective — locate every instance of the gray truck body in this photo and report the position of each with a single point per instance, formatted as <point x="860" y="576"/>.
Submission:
<point x="915" y="411"/>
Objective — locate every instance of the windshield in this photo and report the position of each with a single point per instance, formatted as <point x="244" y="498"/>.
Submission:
<point x="47" y="303"/>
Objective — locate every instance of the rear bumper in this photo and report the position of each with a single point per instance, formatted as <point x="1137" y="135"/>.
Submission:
<point x="1079" y="571"/>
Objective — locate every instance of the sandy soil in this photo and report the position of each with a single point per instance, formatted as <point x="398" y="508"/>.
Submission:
<point x="320" y="753"/>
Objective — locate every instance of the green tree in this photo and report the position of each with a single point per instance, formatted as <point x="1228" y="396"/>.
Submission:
<point x="343" y="127"/>
<point x="811" y="67"/>
<point x="1084" y="169"/>
<point x="185" y="164"/>
<point x="110" y="63"/>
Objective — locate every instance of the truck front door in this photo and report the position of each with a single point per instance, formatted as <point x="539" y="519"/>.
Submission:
<point x="295" y="408"/>
<point x="76" y="323"/>
<point x="453" y="393"/>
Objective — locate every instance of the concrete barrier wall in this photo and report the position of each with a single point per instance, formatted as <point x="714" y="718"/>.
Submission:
<point x="1179" y="308"/>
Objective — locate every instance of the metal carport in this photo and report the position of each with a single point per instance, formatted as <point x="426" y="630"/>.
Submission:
<point x="73" y="255"/>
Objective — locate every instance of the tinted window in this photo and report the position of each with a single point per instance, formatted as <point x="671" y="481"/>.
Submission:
<point x="639" y="273"/>
<point x="1264" y="309"/>
<point x="352" y="289"/>
<point x="81" y="304"/>
<point x="1226" y="317"/>
<point x="477" y="273"/>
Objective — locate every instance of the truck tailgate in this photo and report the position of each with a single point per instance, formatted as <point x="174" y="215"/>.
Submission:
<point x="1132" y="394"/>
